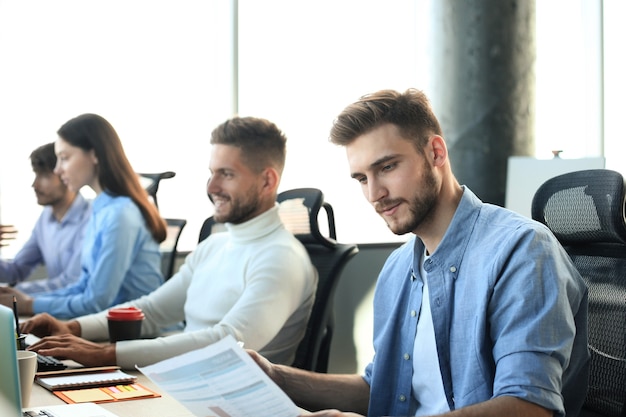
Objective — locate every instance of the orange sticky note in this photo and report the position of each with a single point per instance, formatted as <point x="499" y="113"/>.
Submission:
<point x="131" y="392"/>
<point x="87" y="395"/>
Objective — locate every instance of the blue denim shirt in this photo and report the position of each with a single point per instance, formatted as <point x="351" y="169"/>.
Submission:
<point x="509" y="312"/>
<point x="120" y="262"/>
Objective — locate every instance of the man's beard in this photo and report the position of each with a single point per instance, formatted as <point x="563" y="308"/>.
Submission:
<point x="420" y="207"/>
<point x="240" y="211"/>
<point x="44" y="199"/>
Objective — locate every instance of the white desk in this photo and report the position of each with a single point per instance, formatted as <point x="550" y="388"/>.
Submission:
<point x="149" y="407"/>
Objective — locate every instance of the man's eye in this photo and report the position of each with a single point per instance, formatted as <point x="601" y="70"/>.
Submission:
<point x="389" y="167"/>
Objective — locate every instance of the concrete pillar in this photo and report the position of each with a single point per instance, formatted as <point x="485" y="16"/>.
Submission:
<point x="483" y="87"/>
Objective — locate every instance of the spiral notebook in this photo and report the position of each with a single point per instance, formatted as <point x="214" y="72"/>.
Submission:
<point x="84" y="378"/>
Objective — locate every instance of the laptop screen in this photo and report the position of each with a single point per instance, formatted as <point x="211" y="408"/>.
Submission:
<point x="10" y="399"/>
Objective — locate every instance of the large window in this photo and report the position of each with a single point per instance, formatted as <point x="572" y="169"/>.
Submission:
<point x="162" y="72"/>
<point x="159" y="71"/>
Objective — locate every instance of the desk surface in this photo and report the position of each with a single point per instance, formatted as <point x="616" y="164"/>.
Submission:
<point x="150" y="407"/>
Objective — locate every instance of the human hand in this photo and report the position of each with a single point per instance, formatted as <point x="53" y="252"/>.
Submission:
<point x="68" y="346"/>
<point x="7" y="232"/>
<point x="44" y="324"/>
<point x="24" y="302"/>
<point x="265" y="365"/>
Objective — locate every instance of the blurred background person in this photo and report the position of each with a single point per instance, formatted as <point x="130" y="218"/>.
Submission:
<point x="57" y="236"/>
<point x="120" y="260"/>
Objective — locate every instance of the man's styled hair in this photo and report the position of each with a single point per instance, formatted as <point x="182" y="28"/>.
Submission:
<point x="43" y="159"/>
<point x="410" y="111"/>
<point x="262" y="144"/>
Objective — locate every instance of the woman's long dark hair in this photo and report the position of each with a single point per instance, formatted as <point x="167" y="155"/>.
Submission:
<point x="115" y="174"/>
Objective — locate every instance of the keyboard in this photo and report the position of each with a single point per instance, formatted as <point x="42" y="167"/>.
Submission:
<point x="49" y="363"/>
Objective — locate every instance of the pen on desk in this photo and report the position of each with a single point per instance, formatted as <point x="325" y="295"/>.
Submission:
<point x="17" y="320"/>
<point x="20" y="341"/>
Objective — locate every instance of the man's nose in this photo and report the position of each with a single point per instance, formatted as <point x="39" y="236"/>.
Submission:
<point x="211" y="185"/>
<point x="375" y="191"/>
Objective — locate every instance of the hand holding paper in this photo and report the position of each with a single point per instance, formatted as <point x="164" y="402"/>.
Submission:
<point x="221" y="379"/>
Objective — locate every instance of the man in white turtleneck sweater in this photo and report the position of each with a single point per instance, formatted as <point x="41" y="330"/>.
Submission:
<point x="254" y="282"/>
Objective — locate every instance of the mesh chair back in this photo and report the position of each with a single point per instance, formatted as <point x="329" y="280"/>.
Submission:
<point x="585" y="211"/>
<point x="300" y="212"/>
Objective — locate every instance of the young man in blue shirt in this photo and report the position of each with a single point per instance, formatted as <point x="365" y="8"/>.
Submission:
<point x="57" y="236"/>
<point x="481" y="313"/>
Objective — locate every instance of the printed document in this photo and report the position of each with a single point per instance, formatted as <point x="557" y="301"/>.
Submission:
<point x="221" y="380"/>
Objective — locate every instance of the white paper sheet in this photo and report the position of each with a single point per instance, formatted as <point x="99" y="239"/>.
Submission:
<point x="221" y="380"/>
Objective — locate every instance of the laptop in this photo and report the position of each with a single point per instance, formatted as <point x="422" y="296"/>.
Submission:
<point x="10" y="398"/>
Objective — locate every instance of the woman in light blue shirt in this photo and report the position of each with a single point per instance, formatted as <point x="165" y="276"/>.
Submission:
<point x="120" y="255"/>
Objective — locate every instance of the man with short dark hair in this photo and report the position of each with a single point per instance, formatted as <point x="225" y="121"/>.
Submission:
<point x="56" y="240"/>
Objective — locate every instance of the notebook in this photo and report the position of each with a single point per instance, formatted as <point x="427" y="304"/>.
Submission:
<point x="84" y="378"/>
<point x="10" y="399"/>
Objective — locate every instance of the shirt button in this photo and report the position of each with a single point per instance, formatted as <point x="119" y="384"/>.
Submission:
<point x="413" y="313"/>
<point x="453" y="269"/>
<point x="406" y="356"/>
<point x="402" y="398"/>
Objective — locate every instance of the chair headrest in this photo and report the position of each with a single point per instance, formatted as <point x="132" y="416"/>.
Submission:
<point x="150" y="181"/>
<point x="583" y="207"/>
<point x="299" y="210"/>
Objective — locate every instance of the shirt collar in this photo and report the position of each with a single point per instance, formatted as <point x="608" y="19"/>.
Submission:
<point x="75" y="213"/>
<point x="450" y="250"/>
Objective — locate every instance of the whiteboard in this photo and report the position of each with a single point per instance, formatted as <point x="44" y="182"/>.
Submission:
<point x="526" y="174"/>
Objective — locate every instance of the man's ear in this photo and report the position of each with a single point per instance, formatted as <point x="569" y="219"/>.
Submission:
<point x="271" y="179"/>
<point x="438" y="150"/>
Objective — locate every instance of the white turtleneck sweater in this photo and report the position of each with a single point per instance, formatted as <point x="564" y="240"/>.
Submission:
<point x="255" y="282"/>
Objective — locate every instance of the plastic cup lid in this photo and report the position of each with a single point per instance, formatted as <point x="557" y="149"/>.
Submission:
<point x="125" y="314"/>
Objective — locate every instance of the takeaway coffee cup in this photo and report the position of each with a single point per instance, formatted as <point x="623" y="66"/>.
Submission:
<point x="124" y="323"/>
<point x="27" y="364"/>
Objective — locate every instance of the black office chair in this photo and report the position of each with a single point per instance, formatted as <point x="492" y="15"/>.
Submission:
<point x="151" y="182"/>
<point x="210" y="226"/>
<point x="300" y="209"/>
<point x="585" y="211"/>
<point x="169" y="247"/>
